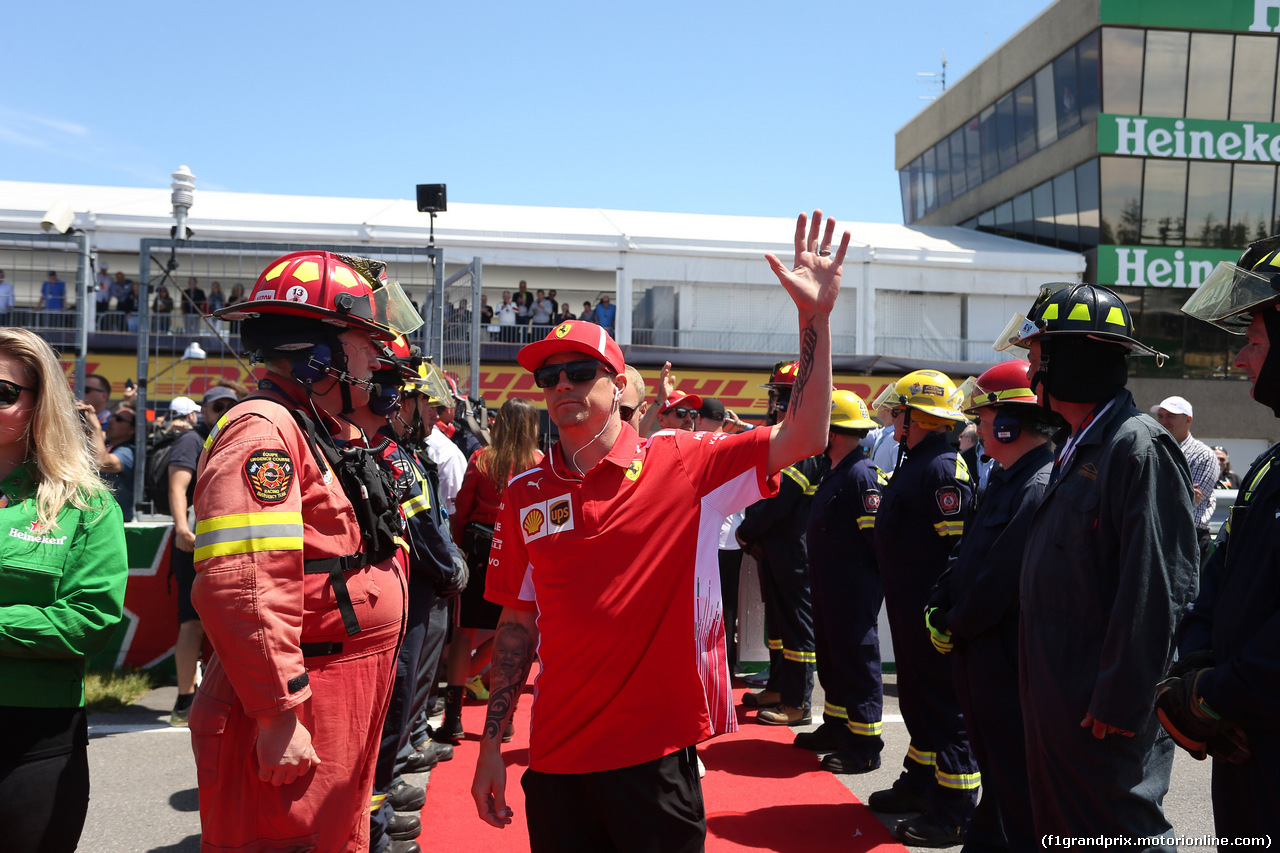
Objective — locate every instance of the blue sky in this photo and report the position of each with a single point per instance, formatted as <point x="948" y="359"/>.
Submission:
<point x="747" y="108"/>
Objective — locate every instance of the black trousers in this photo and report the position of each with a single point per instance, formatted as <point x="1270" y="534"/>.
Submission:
<point x="655" y="807"/>
<point x="44" y="798"/>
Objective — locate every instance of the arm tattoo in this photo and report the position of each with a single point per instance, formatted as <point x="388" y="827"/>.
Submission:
<point x="808" y="343"/>
<point x="512" y="659"/>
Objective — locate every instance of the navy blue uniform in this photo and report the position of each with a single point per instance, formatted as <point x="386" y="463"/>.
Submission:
<point x="1111" y="561"/>
<point x="847" y="594"/>
<point x="922" y="516"/>
<point x="431" y="569"/>
<point x="774" y="530"/>
<point x="1237" y="617"/>
<point x="979" y="594"/>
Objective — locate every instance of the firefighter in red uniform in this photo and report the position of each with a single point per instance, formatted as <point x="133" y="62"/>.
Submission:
<point x="300" y="587"/>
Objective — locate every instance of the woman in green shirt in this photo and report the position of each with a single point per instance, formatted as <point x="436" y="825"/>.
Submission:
<point x="62" y="577"/>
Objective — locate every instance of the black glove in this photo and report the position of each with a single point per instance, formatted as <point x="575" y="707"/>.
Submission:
<point x="1192" y="723"/>
<point x="1202" y="659"/>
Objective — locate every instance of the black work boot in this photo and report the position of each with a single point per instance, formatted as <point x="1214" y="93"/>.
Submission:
<point x="450" y="729"/>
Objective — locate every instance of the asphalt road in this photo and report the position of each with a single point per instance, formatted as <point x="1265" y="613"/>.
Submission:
<point x="143" y="797"/>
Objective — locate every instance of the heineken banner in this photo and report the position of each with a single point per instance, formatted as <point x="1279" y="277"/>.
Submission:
<point x="145" y="636"/>
<point x="1189" y="138"/>
<point x="1159" y="266"/>
<point x="1254" y="16"/>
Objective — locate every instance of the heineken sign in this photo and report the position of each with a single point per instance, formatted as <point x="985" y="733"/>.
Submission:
<point x="1189" y="138"/>
<point x="1253" y="16"/>
<point x="1159" y="266"/>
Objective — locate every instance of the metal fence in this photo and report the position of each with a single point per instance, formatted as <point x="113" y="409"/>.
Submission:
<point x="460" y="350"/>
<point x="46" y="281"/>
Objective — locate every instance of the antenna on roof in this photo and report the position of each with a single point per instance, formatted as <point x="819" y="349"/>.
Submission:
<point x="936" y="81"/>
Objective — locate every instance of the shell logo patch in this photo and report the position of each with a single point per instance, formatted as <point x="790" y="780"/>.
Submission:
<point x="297" y="293"/>
<point x="269" y="474"/>
<point x="532" y="523"/>
<point x="949" y="500"/>
<point x="554" y="515"/>
<point x="563" y="329"/>
<point x="634" y="469"/>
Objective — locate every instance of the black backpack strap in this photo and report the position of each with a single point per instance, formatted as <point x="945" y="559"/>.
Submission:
<point x="336" y="568"/>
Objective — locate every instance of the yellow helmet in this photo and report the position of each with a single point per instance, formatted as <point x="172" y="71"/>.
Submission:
<point x="926" y="391"/>
<point x="849" y="412"/>
<point x="431" y="383"/>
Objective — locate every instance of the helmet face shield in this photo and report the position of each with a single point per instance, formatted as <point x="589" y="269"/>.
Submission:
<point x="392" y="308"/>
<point x="1229" y="297"/>
<point x="1016" y="333"/>
<point x="431" y="384"/>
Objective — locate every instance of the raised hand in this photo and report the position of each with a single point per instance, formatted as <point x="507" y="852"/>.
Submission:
<point x="814" y="279"/>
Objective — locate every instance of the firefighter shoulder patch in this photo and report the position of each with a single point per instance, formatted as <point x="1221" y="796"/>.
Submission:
<point x="949" y="500"/>
<point x="871" y="501"/>
<point x="269" y="474"/>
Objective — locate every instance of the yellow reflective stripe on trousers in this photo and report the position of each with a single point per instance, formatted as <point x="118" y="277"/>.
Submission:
<point x="949" y="528"/>
<point x="247" y="533"/>
<point x="375" y="802"/>
<point x="801" y="480"/>
<point x="835" y="710"/>
<point x="775" y="645"/>
<point x="867" y="729"/>
<point x="958" y="781"/>
<point x="799" y="657"/>
<point x="413" y="506"/>
<point x="919" y="757"/>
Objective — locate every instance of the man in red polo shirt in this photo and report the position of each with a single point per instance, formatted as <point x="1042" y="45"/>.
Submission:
<point x="605" y="561"/>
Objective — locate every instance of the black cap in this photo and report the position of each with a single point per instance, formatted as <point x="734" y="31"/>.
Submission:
<point x="711" y="408"/>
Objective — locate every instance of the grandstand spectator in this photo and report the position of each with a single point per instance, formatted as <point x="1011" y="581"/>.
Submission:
<point x="193" y="303"/>
<point x="605" y="314"/>
<point x="6" y="301"/>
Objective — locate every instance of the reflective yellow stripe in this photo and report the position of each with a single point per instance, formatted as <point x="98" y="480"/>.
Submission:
<point x="949" y="528"/>
<point x="800" y="657"/>
<point x="835" y="710"/>
<point x="413" y="506"/>
<point x="247" y="533"/>
<point x="775" y="645"/>
<point x="927" y="758"/>
<point x="958" y="781"/>
<point x="801" y="480"/>
<point x="375" y="802"/>
<point x="867" y="729"/>
<point x="866" y="522"/>
<point x="962" y="469"/>
<point x="213" y="433"/>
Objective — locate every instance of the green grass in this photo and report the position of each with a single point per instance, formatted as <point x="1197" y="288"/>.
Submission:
<point x="116" y="690"/>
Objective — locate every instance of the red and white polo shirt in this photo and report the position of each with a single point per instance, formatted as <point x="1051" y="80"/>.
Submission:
<point x="622" y="567"/>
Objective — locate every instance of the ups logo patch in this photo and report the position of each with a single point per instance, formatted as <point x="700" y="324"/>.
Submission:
<point x="559" y="513"/>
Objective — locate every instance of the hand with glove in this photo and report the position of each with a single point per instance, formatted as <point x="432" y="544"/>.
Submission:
<point x="935" y="619"/>
<point x="1190" y="721"/>
<point x="461" y="575"/>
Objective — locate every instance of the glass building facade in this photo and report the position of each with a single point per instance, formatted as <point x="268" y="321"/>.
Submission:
<point x="1184" y="102"/>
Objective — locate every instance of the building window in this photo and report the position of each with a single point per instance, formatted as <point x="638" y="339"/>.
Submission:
<point x="1253" y="78"/>
<point x="1046" y="112"/>
<point x="928" y="172"/>
<point x="943" y="160"/>
<point x="1208" y="199"/>
<point x="1164" y="199"/>
<point x="1065" y="216"/>
<point x="958" y="166"/>
<point x="1165" y="73"/>
<point x="1209" y="76"/>
<point x="1066" y="93"/>
<point x="1089" y="76"/>
<point x="972" y="153"/>
<point x="1253" y="189"/>
<point x="1042" y="203"/>
<point x="1024" y="217"/>
<point x="1006" y="129"/>
<point x="1087" y="202"/>
<point x="990" y="144"/>
<point x="1004" y="219"/>
<point x="1121" y="200"/>
<point x="1122" y="70"/>
<point x="1024" y="106"/>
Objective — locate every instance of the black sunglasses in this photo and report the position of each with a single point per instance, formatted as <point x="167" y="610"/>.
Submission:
<point x="129" y="421"/>
<point x="89" y="388"/>
<point x="10" y="392"/>
<point x="683" y="412"/>
<point x="577" y="371"/>
<point x="627" y="412"/>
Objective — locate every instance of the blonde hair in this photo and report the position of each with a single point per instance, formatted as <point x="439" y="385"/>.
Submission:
<point x="67" y="470"/>
<point x="515" y="443"/>
<point x="635" y="380"/>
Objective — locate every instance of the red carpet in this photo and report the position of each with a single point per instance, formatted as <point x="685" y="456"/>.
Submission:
<point x="761" y="793"/>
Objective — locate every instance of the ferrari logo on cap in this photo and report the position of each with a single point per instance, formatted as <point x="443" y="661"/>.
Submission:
<point x="563" y="329"/>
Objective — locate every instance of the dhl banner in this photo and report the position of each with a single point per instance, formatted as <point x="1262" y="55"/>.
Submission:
<point x="738" y="390"/>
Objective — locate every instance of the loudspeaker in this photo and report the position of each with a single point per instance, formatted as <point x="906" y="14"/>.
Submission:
<point x="1006" y="427"/>
<point x="432" y="198"/>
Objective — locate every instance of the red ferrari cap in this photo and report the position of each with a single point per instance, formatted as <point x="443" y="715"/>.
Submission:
<point x="573" y="336"/>
<point x="679" y="398"/>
